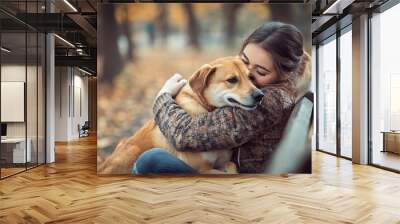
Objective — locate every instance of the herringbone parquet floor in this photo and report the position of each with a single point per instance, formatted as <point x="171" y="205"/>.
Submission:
<point x="69" y="191"/>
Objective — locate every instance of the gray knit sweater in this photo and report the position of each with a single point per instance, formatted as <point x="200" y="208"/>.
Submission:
<point x="251" y="134"/>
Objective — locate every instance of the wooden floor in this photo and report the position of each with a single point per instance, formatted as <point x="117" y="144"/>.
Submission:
<point x="5" y="172"/>
<point x="387" y="159"/>
<point x="69" y="191"/>
<point x="10" y="171"/>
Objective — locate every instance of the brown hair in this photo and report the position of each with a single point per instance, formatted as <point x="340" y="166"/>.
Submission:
<point x="284" y="42"/>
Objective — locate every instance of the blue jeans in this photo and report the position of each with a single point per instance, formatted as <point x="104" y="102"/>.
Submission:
<point x="159" y="161"/>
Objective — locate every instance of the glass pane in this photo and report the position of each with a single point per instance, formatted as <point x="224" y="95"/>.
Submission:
<point x="23" y="90"/>
<point x="385" y="86"/>
<point x="346" y="94"/>
<point x="13" y="86"/>
<point x="327" y="97"/>
<point x="31" y="98"/>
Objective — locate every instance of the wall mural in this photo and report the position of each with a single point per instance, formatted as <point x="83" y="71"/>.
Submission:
<point x="204" y="88"/>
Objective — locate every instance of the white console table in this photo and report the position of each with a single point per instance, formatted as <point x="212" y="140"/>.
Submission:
<point x="18" y="149"/>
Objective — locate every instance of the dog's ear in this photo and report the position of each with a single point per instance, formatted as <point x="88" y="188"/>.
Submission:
<point x="198" y="81"/>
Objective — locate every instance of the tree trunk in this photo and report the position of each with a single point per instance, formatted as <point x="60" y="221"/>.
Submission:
<point x="127" y="32"/>
<point x="111" y="61"/>
<point x="230" y="13"/>
<point x="162" y="22"/>
<point x="192" y="26"/>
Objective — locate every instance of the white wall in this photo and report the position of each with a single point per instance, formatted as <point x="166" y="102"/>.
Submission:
<point x="61" y="103"/>
<point x="12" y="73"/>
<point x="71" y="93"/>
<point x="33" y="127"/>
<point x="80" y="110"/>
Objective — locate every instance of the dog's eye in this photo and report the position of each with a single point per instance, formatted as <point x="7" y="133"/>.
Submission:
<point x="232" y="80"/>
<point x="251" y="77"/>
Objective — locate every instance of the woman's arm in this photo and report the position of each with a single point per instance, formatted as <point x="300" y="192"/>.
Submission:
<point x="222" y="128"/>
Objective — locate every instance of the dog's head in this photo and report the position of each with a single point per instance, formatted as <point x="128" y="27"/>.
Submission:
<point x="226" y="82"/>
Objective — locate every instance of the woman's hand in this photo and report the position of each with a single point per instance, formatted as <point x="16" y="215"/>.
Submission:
<point x="173" y="85"/>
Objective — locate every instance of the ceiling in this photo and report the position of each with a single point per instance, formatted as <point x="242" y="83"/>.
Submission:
<point x="76" y="22"/>
<point x="72" y="20"/>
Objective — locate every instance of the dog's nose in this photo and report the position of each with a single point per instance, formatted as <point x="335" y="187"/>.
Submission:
<point x="257" y="95"/>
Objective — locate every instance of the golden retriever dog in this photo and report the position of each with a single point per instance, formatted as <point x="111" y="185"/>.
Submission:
<point x="223" y="82"/>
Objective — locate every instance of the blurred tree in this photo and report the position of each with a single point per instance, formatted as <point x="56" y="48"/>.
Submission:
<point x="127" y="32"/>
<point x="288" y="14"/>
<point x="111" y="60"/>
<point x="162" y="22"/>
<point x="295" y="14"/>
<point x="230" y="13"/>
<point x="149" y="27"/>
<point x="192" y="26"/>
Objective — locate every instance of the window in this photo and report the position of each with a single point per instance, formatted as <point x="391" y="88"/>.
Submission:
<point x="385" y="88"/>
<point x="22" y="77"/>
<point x="346" y="93"/>
<point x="327" y="96"/>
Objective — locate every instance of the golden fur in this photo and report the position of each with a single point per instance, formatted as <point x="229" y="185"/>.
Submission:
<point x="203" y="93"/>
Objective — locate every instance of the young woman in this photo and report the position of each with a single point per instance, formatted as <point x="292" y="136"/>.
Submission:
<point x="273" y="53"/>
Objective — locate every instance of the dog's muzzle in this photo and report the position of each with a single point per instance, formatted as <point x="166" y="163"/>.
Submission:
<point x="257" y="95"/>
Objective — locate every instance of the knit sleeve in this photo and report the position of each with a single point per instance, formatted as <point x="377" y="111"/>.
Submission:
<point x="223" y="128"/>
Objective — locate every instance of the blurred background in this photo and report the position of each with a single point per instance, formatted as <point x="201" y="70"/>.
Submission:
<point x="140" y="45"/>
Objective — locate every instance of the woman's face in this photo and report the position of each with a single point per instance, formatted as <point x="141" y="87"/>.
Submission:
<point x="260" y="64"/>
